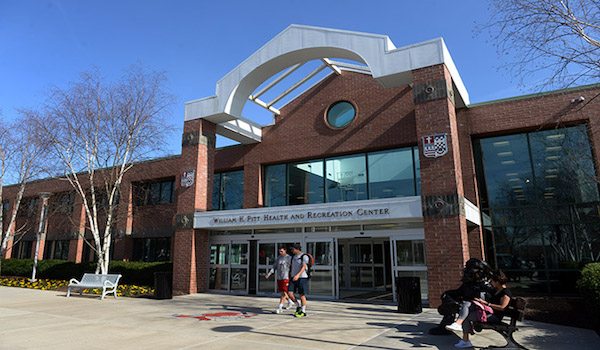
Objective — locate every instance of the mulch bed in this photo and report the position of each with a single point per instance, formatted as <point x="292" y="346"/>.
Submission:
<point x="567" y="311"/>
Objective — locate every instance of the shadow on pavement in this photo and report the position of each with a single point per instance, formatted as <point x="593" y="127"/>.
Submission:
<point x="416" y="335"/>
<point x="286" y="337"/>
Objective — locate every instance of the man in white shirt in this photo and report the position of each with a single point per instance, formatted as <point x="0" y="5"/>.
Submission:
<point x="281" y="267"/>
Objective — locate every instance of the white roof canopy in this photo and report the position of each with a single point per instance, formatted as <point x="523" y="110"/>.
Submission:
<point x="294" y="46"/>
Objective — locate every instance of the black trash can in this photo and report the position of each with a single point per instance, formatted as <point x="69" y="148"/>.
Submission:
<point x="163" y="285"/>
<point x="408" y="291"/>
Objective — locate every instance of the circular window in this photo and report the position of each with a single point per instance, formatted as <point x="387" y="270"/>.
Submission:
<point x="340" y="114"/>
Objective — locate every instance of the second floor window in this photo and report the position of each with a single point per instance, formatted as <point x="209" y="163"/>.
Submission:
<point x="228" y="190"/>
<point x="152" y="193"/>
<point x="382" y="174"/>
<point x="28" y="207"/>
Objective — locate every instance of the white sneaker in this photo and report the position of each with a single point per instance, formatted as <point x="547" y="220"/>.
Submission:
<point x="278" y="311"/>
<point x="463" y="344"/>
<point x="454" y="327"/>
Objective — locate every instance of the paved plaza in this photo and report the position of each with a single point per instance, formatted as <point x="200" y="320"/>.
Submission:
<point x="33" y="319"/>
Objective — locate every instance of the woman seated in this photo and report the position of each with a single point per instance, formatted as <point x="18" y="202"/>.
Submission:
<point x="469" y="312"/>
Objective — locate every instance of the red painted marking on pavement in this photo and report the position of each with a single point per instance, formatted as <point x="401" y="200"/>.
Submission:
<point x="217" y="315"/>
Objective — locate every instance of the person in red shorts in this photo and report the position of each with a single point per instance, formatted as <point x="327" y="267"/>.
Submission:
<point x="282" y="269"/>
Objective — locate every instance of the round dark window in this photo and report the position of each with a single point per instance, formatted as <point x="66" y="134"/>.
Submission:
<point x="340" y="114"/>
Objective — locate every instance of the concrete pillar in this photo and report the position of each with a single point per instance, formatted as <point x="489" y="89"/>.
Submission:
<point x="194" y="184"/>
<point x="446" y="238"/>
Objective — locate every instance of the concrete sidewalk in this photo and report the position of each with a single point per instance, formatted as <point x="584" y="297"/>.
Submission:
<point x="33" y="319"/>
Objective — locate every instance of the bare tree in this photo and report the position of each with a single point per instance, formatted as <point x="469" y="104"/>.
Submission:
<point x="21" y="156"/>
<point x="98" y="130"/>
<point x="556" y="39"/>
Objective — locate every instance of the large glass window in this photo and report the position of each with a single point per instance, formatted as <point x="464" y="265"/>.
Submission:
<point x="228" y="190"/>
<point x="152" y="249"/>
<point x="383" y="174"/>
<point x="152" y="193"/>
<point x="56" y="249"/>
<point x="275" y="185"/>
<point x="346" y="178"/>
<point x="305" y="183"/>
<point x="391" y="174"/>
<point x="540" y="192"/>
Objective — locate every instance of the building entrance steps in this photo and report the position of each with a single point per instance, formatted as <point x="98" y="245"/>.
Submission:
<point x="34" y="319"/>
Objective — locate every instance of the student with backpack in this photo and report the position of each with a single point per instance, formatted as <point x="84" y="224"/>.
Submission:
<point x="299" y="274"/>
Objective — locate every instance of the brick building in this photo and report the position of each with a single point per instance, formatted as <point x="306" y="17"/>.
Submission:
<point x="382" y="168"/>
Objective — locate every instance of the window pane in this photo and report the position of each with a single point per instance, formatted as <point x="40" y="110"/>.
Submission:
<point x="508" y="172"/>
<point x="219" y="254"/>
<point x="306" y="183"/>
<point x="410" y="253"/>
<point x="417" y="170"/>
<point x="166" y="192"/>
<point x="218" y="278"/>
<point x="321" y="283"/>
<point x="346" y="179"/>
<point x="154" y="193"/>
<point x="275" y="185"/>
<point x="265" y="285"/>
<point x="216" y="192"/>
<point x="321" y="251"/>
<point x="233" y="190"/>
<point x="391" y="174"/>
<point x="378" y="253"/>
<point x="239" y="253"/>
<point x="563" y="166"/>
<point x="238" y="279"/>
<point x="266" y="253"/>
<point x="404" y="253"/>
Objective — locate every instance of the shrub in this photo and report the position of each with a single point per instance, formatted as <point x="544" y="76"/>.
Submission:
<point x="134" y="272"/>
<point x="589" y="284"/>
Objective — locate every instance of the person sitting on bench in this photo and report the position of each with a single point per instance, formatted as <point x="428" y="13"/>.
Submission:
<point x="469" y="313"/>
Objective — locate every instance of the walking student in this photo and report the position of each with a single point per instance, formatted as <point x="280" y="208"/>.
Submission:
<point x="299" y="279"/>
<point x="281" y="268"/>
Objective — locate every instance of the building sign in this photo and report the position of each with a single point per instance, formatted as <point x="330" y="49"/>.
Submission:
<point x="187" y="178"/>
<point x="435" y="145"/>
<point x="347" y="212"/>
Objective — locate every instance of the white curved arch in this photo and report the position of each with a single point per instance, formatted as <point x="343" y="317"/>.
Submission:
<point x="389" y="65"/>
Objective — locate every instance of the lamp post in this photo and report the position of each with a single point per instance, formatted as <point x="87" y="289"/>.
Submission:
<point x="40" y="232"/>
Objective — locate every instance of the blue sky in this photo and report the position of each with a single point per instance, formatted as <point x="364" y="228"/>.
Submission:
<point x="48" y="43"/>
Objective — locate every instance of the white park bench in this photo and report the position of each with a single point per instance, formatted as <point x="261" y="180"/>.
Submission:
<point x="108" y="283"/>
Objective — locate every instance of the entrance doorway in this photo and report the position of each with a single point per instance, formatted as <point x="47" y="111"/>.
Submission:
<point x="364" y="268"/>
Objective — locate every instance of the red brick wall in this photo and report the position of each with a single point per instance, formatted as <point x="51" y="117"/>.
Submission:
<point x="190" y="247"/>
<point x="446" y="240"/>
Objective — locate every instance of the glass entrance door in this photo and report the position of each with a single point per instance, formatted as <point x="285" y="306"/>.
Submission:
<point x="408" y="260"/>
<point x="268" y="251"/>
<point x="362" y="268"/>
<point x="229" y="266"/>
<point x="323" y="281"/>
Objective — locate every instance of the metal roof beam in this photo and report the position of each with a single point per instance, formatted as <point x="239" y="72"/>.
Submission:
<point x="264" y="105"/>
<point x="330" y="64"/>
<point x="277" y="80"/>
<point x="297" y="84"/>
